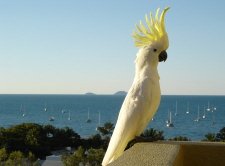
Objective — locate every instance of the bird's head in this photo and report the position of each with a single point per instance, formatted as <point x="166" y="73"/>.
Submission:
<point x="152" y="39"/>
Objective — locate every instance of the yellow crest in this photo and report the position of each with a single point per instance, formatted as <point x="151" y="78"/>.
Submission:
<point x="155" y="30"/>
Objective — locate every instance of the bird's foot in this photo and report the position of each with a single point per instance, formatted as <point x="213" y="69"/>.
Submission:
<point x="138" y="139"/>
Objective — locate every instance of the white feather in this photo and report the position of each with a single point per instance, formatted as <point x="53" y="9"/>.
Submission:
<point x="139" y="106"/>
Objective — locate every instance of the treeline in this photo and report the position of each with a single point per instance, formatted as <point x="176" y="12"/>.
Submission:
<point x="26" y="142"/>
<point x="38" y="139"/>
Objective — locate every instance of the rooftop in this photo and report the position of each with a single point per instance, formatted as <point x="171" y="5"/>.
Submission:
<point x="176" y="153"/>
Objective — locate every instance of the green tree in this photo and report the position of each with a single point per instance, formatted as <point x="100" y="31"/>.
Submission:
<point x="95" y="156"/>
<point x="32" y="137"/>
<point x="106" y="129"/>
<point x="92" y="157"/>
<point x="2" y="136"/>
<point x="211" y="137"/>
<point x="15" y="158"/>
<point x="94" y="141"/>
<point x="152" y="134"/>
<point x="55" y="137"/>
<point x="23" y="137"/>
<point x="31" y="157"/>
<point x="221" y="135"/>
<point x="180" y="138"/>
<point x="3" y="154"/>
<point x="75" y="159"/>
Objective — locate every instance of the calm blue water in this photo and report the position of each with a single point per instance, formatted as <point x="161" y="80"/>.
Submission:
<point x="12" y="107"/>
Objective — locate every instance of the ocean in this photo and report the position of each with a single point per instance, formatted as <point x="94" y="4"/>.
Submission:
<point x="16" y="109"/>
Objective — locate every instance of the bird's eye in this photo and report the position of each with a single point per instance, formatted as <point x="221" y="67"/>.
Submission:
<point x="154" y="49"/>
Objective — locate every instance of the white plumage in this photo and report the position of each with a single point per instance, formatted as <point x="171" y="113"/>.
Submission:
<point x="143" y="98"/>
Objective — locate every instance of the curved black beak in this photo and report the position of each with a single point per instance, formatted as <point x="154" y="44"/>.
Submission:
<point x="162" y="56"/>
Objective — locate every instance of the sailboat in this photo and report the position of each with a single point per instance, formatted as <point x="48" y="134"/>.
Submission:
<point x="204" y="113"/>
<point x="45" y="108"/>
<point x="198" y="117"/>
<point x="213" y="109"/>
<point x="63" y="111"/>
<point x="176" y="113"/>
<point x="187" y="112"/>
<point x="170" y="124"/>
<point x="208" y="109"/>
<point x="69" y="118"/>
<point x="23" y="110"/>
<point x="88" y="119"/>
<point x="52" y="118"/>
<point x="168" y="118"/>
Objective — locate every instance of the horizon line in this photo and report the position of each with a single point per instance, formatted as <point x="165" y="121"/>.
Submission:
<point x="93" y="94"/>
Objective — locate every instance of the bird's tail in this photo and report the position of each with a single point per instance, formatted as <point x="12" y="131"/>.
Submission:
<point x="111" y="156"/>
<point x="115" y="149"/>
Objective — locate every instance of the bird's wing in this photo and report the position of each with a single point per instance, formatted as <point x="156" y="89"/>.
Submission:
<point x="127" y="124"/>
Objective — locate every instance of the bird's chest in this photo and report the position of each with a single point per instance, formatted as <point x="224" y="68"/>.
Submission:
<point x="150" y="98"/>
<point x="149" y="90"/>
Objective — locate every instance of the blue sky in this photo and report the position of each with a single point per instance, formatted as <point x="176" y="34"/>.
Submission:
<point x="73" y="47"/>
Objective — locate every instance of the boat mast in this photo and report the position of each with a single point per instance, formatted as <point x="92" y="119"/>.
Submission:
<point x="176" y="109"/>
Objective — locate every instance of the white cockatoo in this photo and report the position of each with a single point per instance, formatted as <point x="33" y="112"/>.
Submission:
<point x="143" y="98"/>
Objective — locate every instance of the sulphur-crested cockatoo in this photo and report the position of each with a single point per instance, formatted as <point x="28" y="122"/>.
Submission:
<point x="143" y="98"/>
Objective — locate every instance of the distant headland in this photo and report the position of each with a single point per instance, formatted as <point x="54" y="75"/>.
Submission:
<point x="90" y="93"/>
<point x="120" y="93"/>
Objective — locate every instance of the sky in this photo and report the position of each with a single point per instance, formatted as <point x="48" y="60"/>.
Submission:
<point x="74" y="47"/>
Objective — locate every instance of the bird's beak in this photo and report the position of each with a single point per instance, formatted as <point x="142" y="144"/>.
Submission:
<point x="162" y="56"/>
